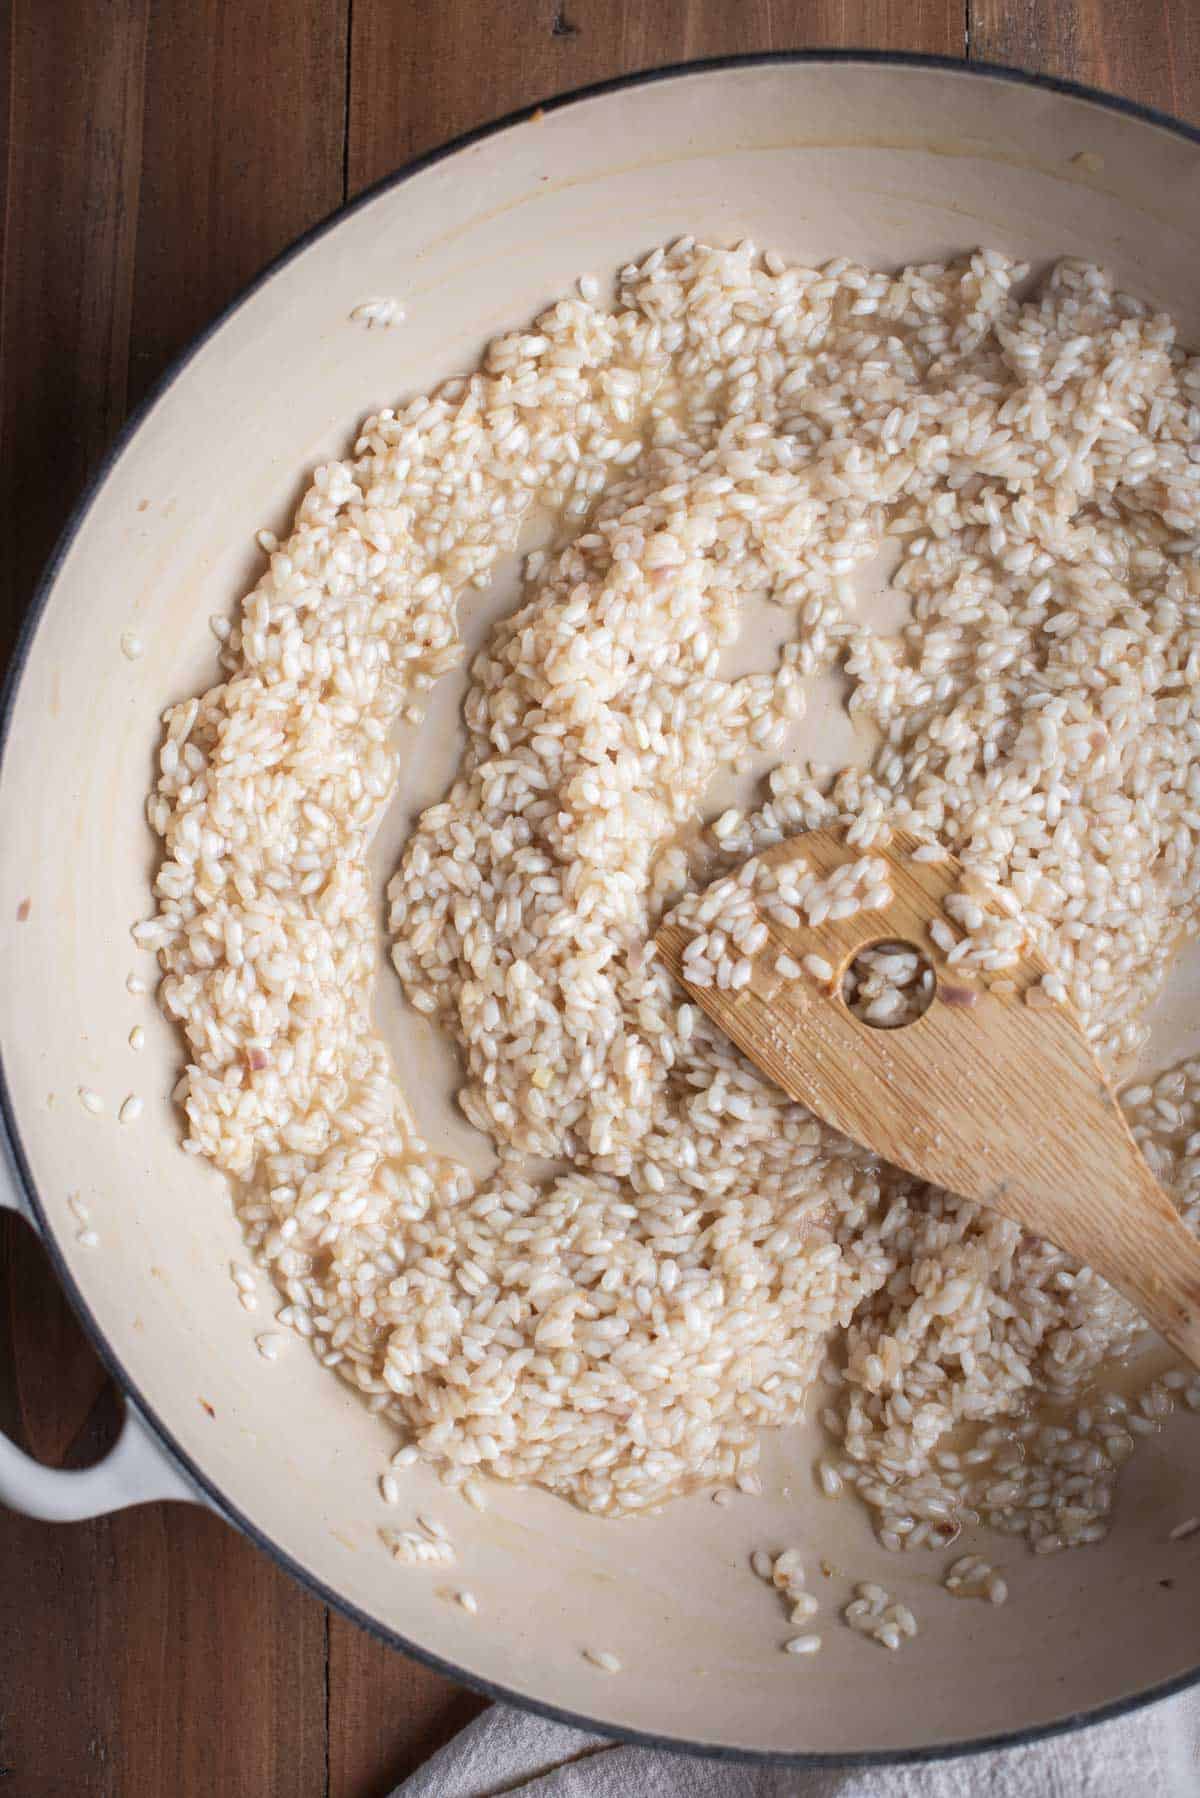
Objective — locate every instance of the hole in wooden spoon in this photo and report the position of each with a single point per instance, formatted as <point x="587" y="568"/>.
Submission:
<point x="889" y="985"/>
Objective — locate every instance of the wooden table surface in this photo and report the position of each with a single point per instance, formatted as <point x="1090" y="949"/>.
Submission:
<point x="157" y="153"/>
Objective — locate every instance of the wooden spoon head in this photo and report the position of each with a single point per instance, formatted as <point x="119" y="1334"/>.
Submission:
<point x="993" y="1093"/>
<point x="955" y="1096"/>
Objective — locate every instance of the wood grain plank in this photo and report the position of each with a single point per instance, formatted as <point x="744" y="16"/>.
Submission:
<point x="420" y="75"/>
<point x="1145" y="52"/>
<point x="387" y="1714"/>
<point x="73" y="173"/>
<point x="178" y="1661"/>
<point x="233" y="1627"/>
<point x="244" y="135"/>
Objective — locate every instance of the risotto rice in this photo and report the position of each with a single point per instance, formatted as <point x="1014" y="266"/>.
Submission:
<point x="621" y="1326"/>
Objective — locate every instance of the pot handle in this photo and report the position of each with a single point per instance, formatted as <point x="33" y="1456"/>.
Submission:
<point x="136" y="1469"/>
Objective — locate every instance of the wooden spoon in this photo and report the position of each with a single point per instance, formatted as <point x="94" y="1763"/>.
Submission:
<point x="994" y="1095"/>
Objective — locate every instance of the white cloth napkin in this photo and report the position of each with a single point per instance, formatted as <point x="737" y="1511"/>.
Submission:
<point x="1155" y="1753"/>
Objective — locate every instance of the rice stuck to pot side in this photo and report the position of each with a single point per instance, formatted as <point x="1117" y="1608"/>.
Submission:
<point x="732" y="427"/>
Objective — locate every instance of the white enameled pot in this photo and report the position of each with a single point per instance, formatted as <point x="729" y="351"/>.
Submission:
<point x="881" y="159"/>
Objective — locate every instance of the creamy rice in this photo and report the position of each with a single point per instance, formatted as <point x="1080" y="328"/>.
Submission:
<point x="622" y="1326"/>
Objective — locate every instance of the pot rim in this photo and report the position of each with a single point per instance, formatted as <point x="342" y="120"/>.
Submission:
<point x="10" y="1140"/>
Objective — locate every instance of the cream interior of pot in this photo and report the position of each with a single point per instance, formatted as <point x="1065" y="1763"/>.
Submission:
<point x="886" y="165"/>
